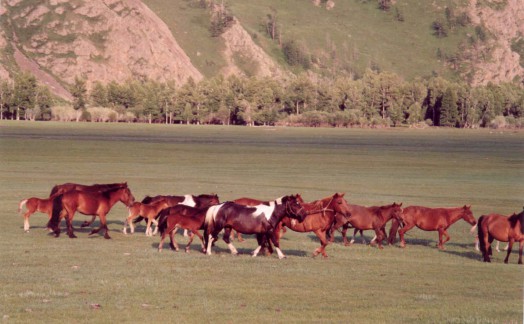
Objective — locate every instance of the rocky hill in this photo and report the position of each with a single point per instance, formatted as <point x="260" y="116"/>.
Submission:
<point x="116" y="40"/>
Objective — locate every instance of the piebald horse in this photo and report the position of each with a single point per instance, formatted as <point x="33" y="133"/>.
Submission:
<point x="260" y="220"/>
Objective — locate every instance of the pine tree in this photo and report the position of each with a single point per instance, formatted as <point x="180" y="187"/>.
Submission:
<point x="449" y="108"/>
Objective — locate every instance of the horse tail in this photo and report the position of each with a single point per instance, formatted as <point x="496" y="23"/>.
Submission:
<point x="209" y="222"/>
<point x="21" y="205"/>
<point x="521" y="219"/>
<point x="54" y="221"/>
<point x="480" y="233"/>
<point x="162" y="220"/>
<point x="393" y="231"/>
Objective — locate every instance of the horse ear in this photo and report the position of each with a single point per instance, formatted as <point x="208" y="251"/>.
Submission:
<point x="400" y="205"/>
<point x="342" y="194"/>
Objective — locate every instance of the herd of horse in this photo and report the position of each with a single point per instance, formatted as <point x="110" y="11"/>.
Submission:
<point x="267" y="220"/>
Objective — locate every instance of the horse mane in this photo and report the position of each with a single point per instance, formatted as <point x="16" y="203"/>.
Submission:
<point x="107" y="193"/>
<point x="521" y="218"/>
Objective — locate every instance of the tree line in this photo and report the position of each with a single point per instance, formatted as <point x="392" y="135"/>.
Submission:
<point x="378" y="99"/>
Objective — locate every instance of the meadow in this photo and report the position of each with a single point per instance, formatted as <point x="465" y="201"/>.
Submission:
<point x="125" y="279"/>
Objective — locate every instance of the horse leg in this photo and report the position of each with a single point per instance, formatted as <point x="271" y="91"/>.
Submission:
<point x="148" y="227"/>
<point x="70" y="227"/>
<point x="88" y="223"/>
<point x="201" y="240"/>
<point x="521" y="245"/>
<point x="174" y="244"/>
<point x="260" y="240"/>
<point x="323" y="243"/>
<point x="239" y="237"/>
<point x="103" y="225"/>
<point x="226" y="238"/>
<point x="344" y="231"/>
<point x="161" y="244"/>
<point x="191" y="236"/>
<point x="274" y="237"/>
<point x="129" y="220"/>
<point x="26" y="220"/>
<point x="497" y="246"/>
<point x="510" y="246"/>
<point x="155" y="222"/>
<point x="401" y="232"/>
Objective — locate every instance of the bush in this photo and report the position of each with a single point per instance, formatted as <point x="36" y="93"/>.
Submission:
<point x="65" y="113"/>
<point x="498" y="122"/>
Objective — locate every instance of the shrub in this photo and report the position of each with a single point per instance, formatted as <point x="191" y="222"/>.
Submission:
<point x="498" y="122"/>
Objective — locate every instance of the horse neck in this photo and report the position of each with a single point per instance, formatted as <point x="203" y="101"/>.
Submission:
<point x="114" y="197"/>
<point x="454" y="214"/>
<point x="278" y="214"/>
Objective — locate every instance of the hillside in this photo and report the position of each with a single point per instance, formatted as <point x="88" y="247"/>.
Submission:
<point x="114" y="40"/>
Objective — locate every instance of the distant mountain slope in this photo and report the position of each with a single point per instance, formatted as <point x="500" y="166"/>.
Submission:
<point x="115" y="40"/>
<point x="101" y="40"/>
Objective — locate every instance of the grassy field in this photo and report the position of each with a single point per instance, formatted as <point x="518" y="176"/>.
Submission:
<point x="125" y="279"/>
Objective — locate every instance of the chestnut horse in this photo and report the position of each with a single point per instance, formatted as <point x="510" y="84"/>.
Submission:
<point x="368" y="218"/>
<point x="432" y="219"/>
<point x="65" y="187"/>
<point x="260" y="220"/>
<point x="34" y="205"/>
<point x="320" y="219"/>
<point x="181" y="216"/>
<point x="148" y="211"/>
<point x="502" y="228"/>
<point x="87" y="203"/>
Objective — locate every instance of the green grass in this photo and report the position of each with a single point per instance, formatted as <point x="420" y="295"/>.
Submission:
<point x="56" y="280"/>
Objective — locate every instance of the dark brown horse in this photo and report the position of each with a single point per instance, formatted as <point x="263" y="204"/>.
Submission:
<point x="320" y="218"/>
<point x="181" y="216"/>
<point x="432" y="219"/>
<point x="87" y="203"/>
<point x="502" y="228"/>
<point x="368" y="218"/>
<point x="34" y="205"/>
<point x="260" y="220"/>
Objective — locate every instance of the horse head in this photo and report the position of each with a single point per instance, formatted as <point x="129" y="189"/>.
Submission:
<point x="396" y="211"/>
<point x="293" y="208"/>
<point x="340" y="205"/>
<point x="126" y="197"/>
<point x="467" y="215"/>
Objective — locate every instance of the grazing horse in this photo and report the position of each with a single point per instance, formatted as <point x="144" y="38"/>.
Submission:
<point x="433" y="219"/>
<point x="181" y="216"/>
<point x="368" y="218"/>
<point x="260" y="220"/>
<point x="320" y="218"/>
<point x="34" y="205"/>
<point x="87" y="203"/>
<point x="502" y="228"/>
<point x="148" y="211"/>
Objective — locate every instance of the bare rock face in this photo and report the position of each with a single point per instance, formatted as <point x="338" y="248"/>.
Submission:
<point x="505" y="24"/>
<point x="102" y="40"/>
<point x="238" y="42"/>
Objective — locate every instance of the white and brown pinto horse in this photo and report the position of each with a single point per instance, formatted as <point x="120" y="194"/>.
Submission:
<point x="260" y="220"/>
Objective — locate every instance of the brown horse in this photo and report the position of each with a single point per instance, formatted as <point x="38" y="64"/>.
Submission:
<point x="34" y="205"/>
<point x="432" y="219"/>
<point x="148" y="211"/>
<point x="181" y="216"/>
<point x="65" y="187"/>
<point x="320" y="218"/>
<point x="368" y="218"/>
<point x="502" y="228"/>
<point x="87" y="203"/>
